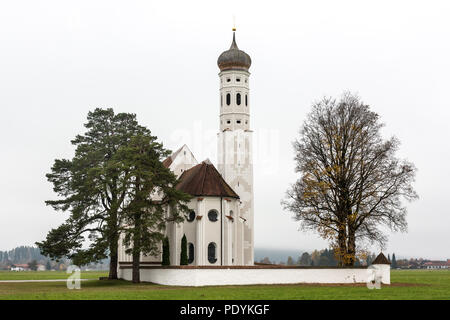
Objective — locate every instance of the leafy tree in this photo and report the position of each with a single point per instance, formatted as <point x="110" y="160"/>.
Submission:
<point x="90" y="188"/>
<point x="266" y="260"/>
<point x="184" y="256"/>
<point x="305" y="259"/>
<point x="315" y="257"/>
<point x="351" y="184"/>
<point x="290" y="261"/>
<point x="151" y="190"/>
<point x="166" y="252"/>
<point x="327" y="258"/>
<point x="33" y="265"/>
<point x="324" y="261"/>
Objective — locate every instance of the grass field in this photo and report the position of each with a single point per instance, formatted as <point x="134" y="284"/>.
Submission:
<point x="47" y="275"/>
<point x="406" y="284"/>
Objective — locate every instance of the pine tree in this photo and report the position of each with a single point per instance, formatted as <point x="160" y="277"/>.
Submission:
<point x="90" y="188"/>
<point x="394" y="262"/>
<point x="146" y="218"/>
<point x="184" y="256"/>
<point x="166" y="252"/>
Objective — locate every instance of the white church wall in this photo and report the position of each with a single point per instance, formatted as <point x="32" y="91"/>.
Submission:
<point x="182" y="161"/>
<point x="252" y="276"/>
<point x="189" y="227"/>
<point x="212" y="229"/>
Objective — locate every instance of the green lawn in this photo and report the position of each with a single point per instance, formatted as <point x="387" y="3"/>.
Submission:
<point x="47" y="275"/>
<point x="406" y="284"/>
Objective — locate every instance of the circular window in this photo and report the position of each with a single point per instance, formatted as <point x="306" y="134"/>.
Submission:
<point x="212" y="252"/>
<point x="213" y="215"/>
<point x="191" y="216"/>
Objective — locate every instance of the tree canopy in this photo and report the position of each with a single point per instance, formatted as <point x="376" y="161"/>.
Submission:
<point x="350" y="184"/>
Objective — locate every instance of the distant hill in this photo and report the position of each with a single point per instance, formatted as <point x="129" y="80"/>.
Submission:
<point x="276" y="255"/>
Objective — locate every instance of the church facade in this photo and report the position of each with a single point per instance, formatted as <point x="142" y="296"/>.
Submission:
<point x="219" y="224"/>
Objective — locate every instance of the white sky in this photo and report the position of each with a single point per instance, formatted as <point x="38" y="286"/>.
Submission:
<point x="60" y="59"/>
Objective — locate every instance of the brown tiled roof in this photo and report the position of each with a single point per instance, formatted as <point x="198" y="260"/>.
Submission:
<point x="381" y="259"/>
<point x="204" y="180"/>
<point x="167" y="162"/>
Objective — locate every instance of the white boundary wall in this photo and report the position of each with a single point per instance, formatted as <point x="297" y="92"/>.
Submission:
<point x="217" y="277"/>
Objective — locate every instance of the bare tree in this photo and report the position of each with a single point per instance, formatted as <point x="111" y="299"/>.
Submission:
<point x="351" y="184"/>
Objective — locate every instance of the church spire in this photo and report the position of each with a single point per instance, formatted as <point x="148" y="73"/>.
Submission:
<point x="233" y="43"/>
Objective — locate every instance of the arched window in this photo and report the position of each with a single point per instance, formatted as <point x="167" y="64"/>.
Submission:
<point x="191" y="216"/>
<point x="246" y="100"/>
<point x="213" y="215"/>
<point x="231" y="213"/>
<point x="212" y="252"/>
<point x="238" y="99"/>
<point x="221" y="100"/>
<point x="228" y="99"/>
<point x="190" y="252"/>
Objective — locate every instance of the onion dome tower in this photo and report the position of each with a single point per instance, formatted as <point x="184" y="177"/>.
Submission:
<point x="234" y="58"/>
<point x="235" y="162"/>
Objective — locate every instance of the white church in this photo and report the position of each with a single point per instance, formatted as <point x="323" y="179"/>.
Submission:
<point x="219" y="225"/>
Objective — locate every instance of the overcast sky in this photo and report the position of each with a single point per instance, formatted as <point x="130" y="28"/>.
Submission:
<point x="60" y="59"/>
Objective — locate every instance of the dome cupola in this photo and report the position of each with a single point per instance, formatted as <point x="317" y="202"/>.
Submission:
<point x="234" y="58"/>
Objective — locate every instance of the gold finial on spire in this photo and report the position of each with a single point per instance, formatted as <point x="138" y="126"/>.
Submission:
<point x="234" y="23"/>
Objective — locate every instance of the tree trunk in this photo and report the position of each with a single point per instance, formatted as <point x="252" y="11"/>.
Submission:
<point x="136" y="266"/>
<point x="113" y="262"/>
<point x="113" y="239"/>
<point x="342" y="243"/>
<point x="137" y="249"/>
<point x="351" y="248"/>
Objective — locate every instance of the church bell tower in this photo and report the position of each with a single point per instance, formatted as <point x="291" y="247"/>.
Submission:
<point x="235" y="161"/>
